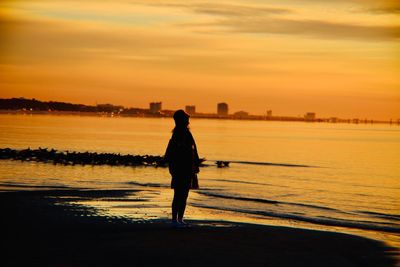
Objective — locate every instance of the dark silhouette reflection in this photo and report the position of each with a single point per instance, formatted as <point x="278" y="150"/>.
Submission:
<point x="183" y="162"/>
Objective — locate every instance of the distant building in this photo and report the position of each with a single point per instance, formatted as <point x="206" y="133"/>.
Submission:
<point x="241" y="114"/>
<point x="168" y="112"/>
<point x="190" y="110"/>
<point x="333" y="119"/>
<point x="310" y="116"/>
<point x="269" y="113"/>
<point x="109" y="108"/>
<point x="222" y="109"/>
<point x="155" y="107"/>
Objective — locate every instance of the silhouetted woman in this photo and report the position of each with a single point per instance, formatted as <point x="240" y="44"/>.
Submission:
<point x="183" y="165"/>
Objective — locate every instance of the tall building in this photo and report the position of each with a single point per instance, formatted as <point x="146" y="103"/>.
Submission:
<point x="222" y="109"/>
<point x="190" y="109"/>
<point x="155" y="107"/>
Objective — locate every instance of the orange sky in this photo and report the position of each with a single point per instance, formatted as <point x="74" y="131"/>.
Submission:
<point x="334" y="57"/>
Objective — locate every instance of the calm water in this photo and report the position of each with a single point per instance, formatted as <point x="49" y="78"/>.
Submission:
<point x="353" y="184"/>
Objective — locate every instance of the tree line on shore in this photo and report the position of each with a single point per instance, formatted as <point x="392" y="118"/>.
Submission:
<point x="37" y="105"/>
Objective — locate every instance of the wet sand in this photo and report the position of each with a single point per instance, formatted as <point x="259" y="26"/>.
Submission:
<point x="41" y="228"/>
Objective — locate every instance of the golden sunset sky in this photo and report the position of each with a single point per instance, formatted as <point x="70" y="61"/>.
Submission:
<point x="333" y="57"/>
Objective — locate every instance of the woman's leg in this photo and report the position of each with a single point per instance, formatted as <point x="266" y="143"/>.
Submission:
<point x="175" y="205"/>
<point x="183" y="195"/>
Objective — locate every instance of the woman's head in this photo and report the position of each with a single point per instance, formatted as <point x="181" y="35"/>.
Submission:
<point x="181" y="118"/>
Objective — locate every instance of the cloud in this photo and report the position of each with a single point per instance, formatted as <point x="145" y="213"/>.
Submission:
<point x="382" y="6"/>
<point x="312" y="28"/>
<point x="29" y="41"/>
<point x="63" y="44"/>
<point x="246" y="18"/>
<point x="229" y="10"/>
<point x="234" y="10"/>
<point x="385" y="10"/>
<point x="372" y="6"/>
<point x="323" y="29"/>
<point x="271" y="20"/>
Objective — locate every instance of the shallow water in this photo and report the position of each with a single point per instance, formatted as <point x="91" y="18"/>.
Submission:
<point x="353" y="184"/>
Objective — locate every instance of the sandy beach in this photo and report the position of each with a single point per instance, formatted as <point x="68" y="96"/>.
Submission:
<point x="41" y="228"/>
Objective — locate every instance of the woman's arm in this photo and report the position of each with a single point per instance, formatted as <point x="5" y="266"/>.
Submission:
<point x="168" y="151"/>
<point x="196" y="158"/>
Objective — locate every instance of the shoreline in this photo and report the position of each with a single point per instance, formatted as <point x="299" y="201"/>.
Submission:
<point x="199" y="116"/>
<point x="46" y="230"/>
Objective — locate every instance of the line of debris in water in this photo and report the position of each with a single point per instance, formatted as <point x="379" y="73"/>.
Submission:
<point x="82" y="158"/>
<point x="111" y="159"/>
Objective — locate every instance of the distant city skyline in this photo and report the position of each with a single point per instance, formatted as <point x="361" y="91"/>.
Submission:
<point x="335" y="58"/>
<point x="277" y="108"/>
<point x="22" y="104"/>
<point x="212" y="109"/>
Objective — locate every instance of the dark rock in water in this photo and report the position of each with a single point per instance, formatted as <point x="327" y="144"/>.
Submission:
<point x="83" y="158"/>
<point x="222" y="164"/>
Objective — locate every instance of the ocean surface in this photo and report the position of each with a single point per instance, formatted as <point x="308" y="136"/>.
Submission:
<point x="348" y="179"/>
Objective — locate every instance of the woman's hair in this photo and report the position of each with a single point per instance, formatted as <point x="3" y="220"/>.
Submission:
<point x="181" y="119"/>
